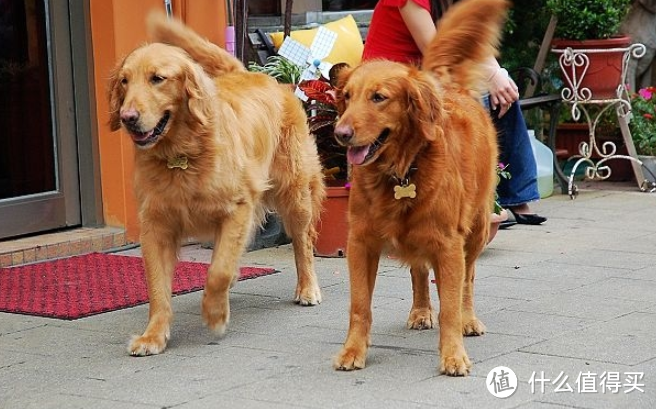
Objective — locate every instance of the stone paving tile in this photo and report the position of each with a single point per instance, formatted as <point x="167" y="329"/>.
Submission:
<point x="373" y="402"/>
<point x="609" y="258"/>
<point x="220" y="400"/>
<point x="519" y="288"/>
<point x="54" y="401"/>
<point x="576" y="294"/>
<point x="554" y="271"/>
<point x="345" y="387"/>
<point x="587" y="307"/>
<point x="10" y="323"/>
<point x="620" y="288"/>
<point x="537" y="325"/>
<point x="540" y="405"/>
<point x="469" y="392"/>
<point x="647" y="273"/>
<point x="627" y="340"/>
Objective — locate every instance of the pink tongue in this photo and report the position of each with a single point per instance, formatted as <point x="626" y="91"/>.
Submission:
<point x="357" y="155"/>
<point x="142" y="136"/>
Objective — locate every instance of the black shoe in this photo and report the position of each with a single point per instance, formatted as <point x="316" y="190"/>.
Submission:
<point x="507" y="223"/>
<point x="532" y="218"/>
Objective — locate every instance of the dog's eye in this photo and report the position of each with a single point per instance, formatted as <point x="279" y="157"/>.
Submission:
<point x="377" y="97"/>
<point x="156" y="79"/>
<point x="346" y="96"/>
<point x="124" y="81"/>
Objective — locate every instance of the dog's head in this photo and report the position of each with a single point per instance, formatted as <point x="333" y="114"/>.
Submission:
<point x="386" y="110"/>
<point x="155" y="87"/>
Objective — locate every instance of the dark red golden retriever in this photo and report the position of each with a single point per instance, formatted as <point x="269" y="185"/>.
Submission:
<point x="423" y="150"/>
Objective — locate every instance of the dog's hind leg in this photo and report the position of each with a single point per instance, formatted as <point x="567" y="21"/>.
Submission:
<point x="160" y="257"/>
<point x="298" y="196"/>
<point x="422" y="315"/>
<point x="475" y="244"/>
<point x="229" y="243"/>
<point x="295" y="208"/>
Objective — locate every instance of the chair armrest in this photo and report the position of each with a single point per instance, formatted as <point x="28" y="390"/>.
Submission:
<point x="525" y="76"/>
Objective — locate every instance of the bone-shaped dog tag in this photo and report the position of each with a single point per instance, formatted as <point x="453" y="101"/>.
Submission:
<point x="401" y="191"/>
<point x="180" y="162"/>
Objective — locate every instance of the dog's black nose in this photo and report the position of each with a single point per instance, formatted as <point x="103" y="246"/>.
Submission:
<point x="129" y="116"/>
<point x="344" y="133"/>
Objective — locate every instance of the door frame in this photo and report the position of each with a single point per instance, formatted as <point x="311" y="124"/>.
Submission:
<point x="76" y="199"/>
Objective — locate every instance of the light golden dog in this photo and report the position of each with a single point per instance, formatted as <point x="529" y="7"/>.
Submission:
<point x="423" y="151"/>
<point x="216" y="147"/>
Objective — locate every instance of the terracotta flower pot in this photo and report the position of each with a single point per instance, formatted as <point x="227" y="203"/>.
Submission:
<point x="333" y="226"/>
<point x="604" y="72"/>
<point x="570" y="135"/>
<point x="495" y="222"/>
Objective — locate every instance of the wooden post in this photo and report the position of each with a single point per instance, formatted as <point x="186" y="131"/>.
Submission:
<point x="241" y="29"/>
<point x="542" y="54"/>
<point x="289" y="4"/>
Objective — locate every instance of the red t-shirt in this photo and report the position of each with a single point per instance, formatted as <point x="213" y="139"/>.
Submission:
<point x="388" y="36"/>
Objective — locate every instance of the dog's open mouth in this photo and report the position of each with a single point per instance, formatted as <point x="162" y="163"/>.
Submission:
<point x="143" y="139"/>
<point x="361" y="155"/>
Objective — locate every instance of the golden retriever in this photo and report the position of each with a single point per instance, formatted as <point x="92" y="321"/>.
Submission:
<point x="216" y="147"/>
<point x="423" y="151"/>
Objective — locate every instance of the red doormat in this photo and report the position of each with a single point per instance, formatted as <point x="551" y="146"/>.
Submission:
<point x="79" y="286"/>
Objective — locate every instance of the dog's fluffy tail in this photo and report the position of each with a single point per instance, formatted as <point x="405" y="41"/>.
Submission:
<point x="467" y="36"/>
<point x="214" y="59"/>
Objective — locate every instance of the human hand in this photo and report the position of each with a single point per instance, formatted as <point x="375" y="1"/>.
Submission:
<point x="503" y="91"/>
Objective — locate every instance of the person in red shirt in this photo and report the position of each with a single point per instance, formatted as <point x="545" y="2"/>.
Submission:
<point x="400" y="30"/>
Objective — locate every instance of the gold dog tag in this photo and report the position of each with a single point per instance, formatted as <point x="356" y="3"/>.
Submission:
<point x="406" y="190"/>
<point x="180" y="162"/>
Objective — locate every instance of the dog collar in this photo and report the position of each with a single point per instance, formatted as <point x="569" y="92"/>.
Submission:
<point x="178" y="162"/>
<point x="403" y="187"/>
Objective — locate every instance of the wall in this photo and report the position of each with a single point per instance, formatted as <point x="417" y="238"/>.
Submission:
<point x="302" y="6"/>
<point x="117" y="27"/>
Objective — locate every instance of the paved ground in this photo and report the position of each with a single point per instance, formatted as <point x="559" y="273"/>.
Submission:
<point x="573" y="301"/>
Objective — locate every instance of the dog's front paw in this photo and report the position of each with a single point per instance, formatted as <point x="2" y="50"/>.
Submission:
<point x="216" y="313"/>
<point x="455" y="365"/>
<point x="349" y="359"/>
<point x="473" y="327"/>
<point x="422" y="318"/>
<point x="310" y="295"/>
<point x="147" y="345"/>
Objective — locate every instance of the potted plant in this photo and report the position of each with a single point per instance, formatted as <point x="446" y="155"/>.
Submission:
<point x="321" y="111"/>
<point x="322" y="115"/>
<point x="643" y="128"/>
<point x="279" y="68"/>
<point x="591" y="25"/>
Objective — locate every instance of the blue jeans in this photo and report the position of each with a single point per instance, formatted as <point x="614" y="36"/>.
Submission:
<point x="516" y="152"/>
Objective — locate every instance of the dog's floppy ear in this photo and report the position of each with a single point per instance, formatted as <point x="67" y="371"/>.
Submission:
<point x="115" y="95"/>
<point x="424" y="106"/>
<point x="339" y="75"/>
<point x="198" y="87"/>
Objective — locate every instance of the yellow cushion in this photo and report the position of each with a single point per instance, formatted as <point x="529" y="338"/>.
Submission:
<point x="348" y="46"/>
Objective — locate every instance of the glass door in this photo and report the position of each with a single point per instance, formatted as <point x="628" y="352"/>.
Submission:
<point x="39" y="181"/>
